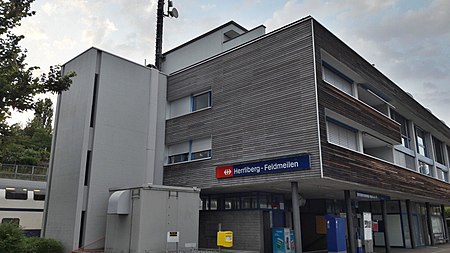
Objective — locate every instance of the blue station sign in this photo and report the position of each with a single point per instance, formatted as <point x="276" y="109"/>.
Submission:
<point x="264" y="167"/>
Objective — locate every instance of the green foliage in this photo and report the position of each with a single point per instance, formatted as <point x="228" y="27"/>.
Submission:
<point x="42" y="245"/>
<point x="447" y="212"/>
<point x="30" y="145"/>
<point x="11" y="238"/>
<point x="18" y="86"/>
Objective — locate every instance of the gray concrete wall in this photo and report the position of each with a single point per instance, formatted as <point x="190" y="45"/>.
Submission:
<point x="128" y="130"/>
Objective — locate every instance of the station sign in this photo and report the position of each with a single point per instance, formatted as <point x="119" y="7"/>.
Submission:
<point x="264" y="167"/>
<point x="372" y="196"/>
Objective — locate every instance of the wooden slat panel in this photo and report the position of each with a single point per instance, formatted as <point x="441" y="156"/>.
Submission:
<point x="338" y="101"/>
<point x="264" y="106"/>
<point x="334" y="46"/>
<point x="343" y="164"/>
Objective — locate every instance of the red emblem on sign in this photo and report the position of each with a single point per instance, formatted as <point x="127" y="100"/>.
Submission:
<point x="224" y="171"/>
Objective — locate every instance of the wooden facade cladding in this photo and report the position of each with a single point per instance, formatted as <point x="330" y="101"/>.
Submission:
<point x="332" y="98"/>
<point x="263" y="107"/>
<point x="347" y="165"/>
<point x="350" y="166"/>
<point x="325" y="40"/>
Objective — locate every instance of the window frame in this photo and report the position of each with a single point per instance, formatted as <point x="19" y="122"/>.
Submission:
<point x="194" y="103"/>
<point x="437" y="144"/>
<point x="327" y="67"/>
<point x="345" y="127"/>
<point x="190" y="155"/>
<point x="424" y="146"/>
<point x="404" y="128"/>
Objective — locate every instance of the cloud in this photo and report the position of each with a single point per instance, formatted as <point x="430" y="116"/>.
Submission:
<point x="98" y="29"/>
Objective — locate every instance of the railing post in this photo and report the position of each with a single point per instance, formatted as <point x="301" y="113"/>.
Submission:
<point x="16" y="167"/>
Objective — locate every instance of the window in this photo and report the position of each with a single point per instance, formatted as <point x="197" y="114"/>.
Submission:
<point x="189" y="151"/>
<point x="442" y="174"/>
<point x="342" y="135"/>
<point x="39" y="196"/>
<point x="249" y="201"/>
<point x="406" y="139"/>
<point x="13" y="194"/>
<point x="11" y="220"/>
<point x="421" y="143"/>
<point x="201" y="101"/>
<point x="336" y="78"/>
<point x="404" y="160"/>
<point x="188" y="104"/>
<point x="424" y="168"/>
<point x="438" y="151"/>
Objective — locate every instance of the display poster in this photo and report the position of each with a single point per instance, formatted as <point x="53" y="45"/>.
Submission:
<point x="367" y="217"/>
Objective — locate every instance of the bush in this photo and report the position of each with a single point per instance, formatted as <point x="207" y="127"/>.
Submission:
<point x="42" y="245"/>
<point x="11" y="238"/>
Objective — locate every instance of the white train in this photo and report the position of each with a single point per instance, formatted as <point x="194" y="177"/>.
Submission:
<point x="23" y="206"/>
<point x="22" y="196"/>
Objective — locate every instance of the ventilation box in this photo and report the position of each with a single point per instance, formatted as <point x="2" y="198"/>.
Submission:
<point x="140" y="219"/>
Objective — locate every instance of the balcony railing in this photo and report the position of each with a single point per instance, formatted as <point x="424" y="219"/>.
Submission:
<point x="23" y="172"/>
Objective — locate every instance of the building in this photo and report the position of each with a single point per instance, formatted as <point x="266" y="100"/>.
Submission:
<point x="253" y="120"/>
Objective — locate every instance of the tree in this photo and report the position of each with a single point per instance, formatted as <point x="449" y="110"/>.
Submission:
<point x="18" y="86"/>
<point x="30" y="145"/>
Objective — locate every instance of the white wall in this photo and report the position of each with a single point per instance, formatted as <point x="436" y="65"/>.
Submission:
<point x="206" y="47"/>
<point x="125" y="141"/>
<point x="65" y="182"/>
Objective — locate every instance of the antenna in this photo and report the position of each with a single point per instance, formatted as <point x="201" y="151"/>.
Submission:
<point x="171" y="12"/>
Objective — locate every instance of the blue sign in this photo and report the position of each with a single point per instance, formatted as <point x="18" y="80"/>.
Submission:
<point x="264" y="167"/>
<point x="366" y="195"/>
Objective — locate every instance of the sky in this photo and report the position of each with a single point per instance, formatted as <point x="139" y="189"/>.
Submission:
<point x="407" y="40"/>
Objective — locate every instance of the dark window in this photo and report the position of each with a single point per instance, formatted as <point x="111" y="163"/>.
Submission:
<point x="421" y="142"/>
<point x="39" y="196"/>
<point x="201" y="155"/>
<point x="201" y="101"/>
<point x="178" y="158"/>
<point x="406" y="139"/>
<point x="438" y="151"/>
<point x="13" y="194"/>
<point x="11" y="220"/>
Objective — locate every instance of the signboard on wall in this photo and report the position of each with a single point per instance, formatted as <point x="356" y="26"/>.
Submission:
<point x="264" y="167"/>
<point x="367" y="217"/>
<point x="372" y="196"/>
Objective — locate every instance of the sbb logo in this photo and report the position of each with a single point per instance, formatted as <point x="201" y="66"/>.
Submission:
<point x="224" y="171"/>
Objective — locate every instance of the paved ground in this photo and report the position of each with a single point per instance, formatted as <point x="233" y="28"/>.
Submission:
<point x="441" y="248"/>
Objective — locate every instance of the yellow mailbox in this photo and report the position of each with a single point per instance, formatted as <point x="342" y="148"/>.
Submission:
<point x="225" y="239"/>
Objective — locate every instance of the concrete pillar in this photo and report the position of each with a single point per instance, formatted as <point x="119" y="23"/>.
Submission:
<point x="350" y="227"/>
<point x="445" y="223"/>
<point x="429" y="224"/>
<point x="387" y="243"/>
<point x="296" y="217"/>
<point x="412" y="232"/>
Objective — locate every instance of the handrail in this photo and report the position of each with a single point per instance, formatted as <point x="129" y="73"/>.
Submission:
<point x="23" y="172"/>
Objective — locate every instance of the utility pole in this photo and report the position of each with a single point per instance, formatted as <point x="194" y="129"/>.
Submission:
<point x="171" y="12"/>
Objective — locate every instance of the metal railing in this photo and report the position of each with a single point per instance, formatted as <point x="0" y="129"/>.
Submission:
<point x="23" y="172"/>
